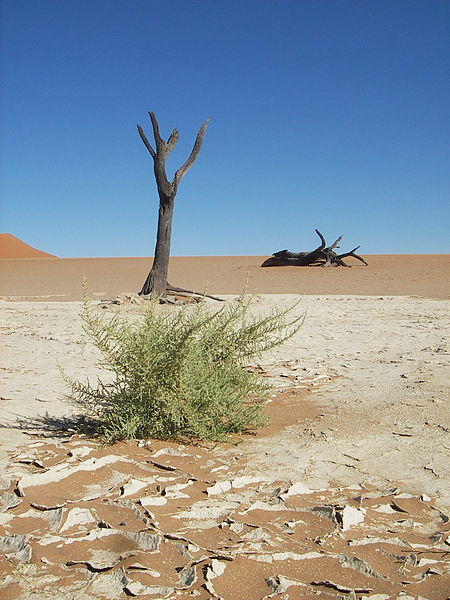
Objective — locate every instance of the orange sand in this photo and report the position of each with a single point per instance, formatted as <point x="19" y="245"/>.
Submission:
<point x="12" y="247"/>
<point x="424" y="275"/>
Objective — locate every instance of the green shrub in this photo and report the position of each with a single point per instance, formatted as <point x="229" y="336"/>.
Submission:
<point x="181" y="372"/>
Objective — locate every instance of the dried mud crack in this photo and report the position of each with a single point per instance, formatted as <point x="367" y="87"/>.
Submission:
<point x="345" y="496"/>
<point x="169" y="521"/>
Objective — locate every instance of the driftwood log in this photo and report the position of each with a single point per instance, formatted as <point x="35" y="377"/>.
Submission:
<point x="323" y="256"/>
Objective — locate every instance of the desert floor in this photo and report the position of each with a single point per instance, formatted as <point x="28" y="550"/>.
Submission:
<point x="345" y="495"/>
<point x="387" y="275"/>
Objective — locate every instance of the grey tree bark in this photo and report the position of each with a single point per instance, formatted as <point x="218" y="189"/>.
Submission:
<point x="156" y="282"/>
<point x="322" y="255"/>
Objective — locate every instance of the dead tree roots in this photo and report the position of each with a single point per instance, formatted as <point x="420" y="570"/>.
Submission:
<point x="323" y="256"/>
<point x="172" y="293"/>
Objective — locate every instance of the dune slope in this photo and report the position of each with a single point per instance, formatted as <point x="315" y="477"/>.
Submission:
<point x="12" y="247"/>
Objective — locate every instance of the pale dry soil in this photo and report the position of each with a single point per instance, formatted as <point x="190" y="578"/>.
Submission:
<point x="372" y="374"/>
<point x="377" y="367"/>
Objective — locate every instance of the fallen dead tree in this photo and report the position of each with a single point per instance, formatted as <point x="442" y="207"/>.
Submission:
<point x="323" y="256"/>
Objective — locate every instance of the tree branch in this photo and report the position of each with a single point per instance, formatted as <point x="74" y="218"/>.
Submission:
<point x="335" y="244"/>
<point x="160" y="143"/>
<point x="171" y="142"/>
<point x="322" y="239"/>
<point x="146" y="142"/>
<point x="352" y="253"/>
<point x="190" y="161"/>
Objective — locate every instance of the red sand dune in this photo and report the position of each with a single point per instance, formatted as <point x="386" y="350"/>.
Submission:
<point x="12" y="247"/>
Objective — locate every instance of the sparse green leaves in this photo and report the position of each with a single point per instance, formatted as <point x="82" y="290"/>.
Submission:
<point x="179" y="373"/>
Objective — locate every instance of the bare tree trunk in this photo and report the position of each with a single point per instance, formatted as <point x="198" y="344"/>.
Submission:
<point x="156" y="282"/>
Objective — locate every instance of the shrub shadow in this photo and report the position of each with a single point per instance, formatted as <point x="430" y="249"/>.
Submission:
<point x="52" y="426"/>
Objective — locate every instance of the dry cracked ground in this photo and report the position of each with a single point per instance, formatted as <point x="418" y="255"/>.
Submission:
<point x="345" y="496"/>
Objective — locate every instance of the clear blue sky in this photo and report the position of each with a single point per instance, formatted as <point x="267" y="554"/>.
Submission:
<point x="324" y="113"/>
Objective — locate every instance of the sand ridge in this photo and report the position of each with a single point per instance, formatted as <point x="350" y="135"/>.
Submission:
<point x="13" y="247"/>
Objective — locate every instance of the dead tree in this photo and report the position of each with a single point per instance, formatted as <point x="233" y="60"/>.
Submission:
<point x="323" y="255"/>
<point x="156" y="282"/>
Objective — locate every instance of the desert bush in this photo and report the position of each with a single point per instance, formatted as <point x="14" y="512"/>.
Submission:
<point x="180" y="372"/>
